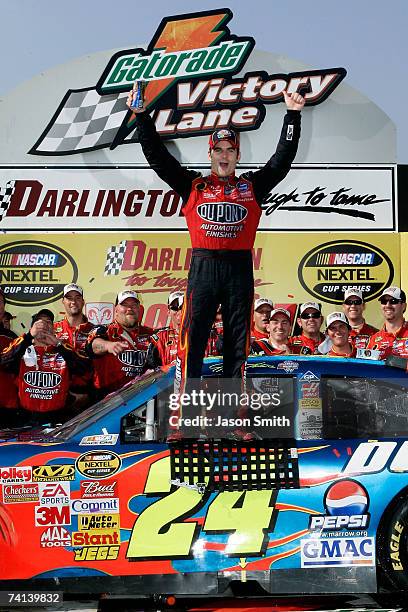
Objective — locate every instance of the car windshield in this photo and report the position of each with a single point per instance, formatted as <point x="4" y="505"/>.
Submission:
<point x="105" y="406"/>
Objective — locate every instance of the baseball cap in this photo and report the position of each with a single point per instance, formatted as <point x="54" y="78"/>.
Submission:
<point x="307" y="305"/>
<point x="124" y="295"/>
<point x="336" y="316"/>
<point x="175" y="295"/>
<point x="73" y="287"/>
<point x="224" y="134"/>
<point x="43" y="313"/>
<point x="261" y="301"/>
<point x="7" y="315"/>
<point x="353" y="291"/>
<point x="395" y="292"/>
<point x="282" y="310"/>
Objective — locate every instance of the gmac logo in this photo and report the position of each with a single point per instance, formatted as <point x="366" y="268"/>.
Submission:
<point x="188" y="67"/>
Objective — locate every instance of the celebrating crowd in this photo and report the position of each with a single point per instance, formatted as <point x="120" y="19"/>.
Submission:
<point x="56" y="369"/>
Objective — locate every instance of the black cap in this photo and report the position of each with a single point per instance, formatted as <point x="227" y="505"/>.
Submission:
<point x="41" y="314"/>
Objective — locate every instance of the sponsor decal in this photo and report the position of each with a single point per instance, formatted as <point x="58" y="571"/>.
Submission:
<point x="54" y="493"/>
<point x="97" y="553"/>
<point x="15" y="474"/>
<point x="42" y="380"/>
<point x="87" y="522"/>
<point x="309" y="390"/>
<point x="373" y="457"/>
<point x="222" y="212"/>
<point x="189" y="67"/>
<point x="346" y="503"/>
<point x="99" y="313"/>
<point x="99" y="440"/>
<point x="44" y="473"/>
<point x="34" y="273"/>
<point x="54" y="537"/>
<point x="97" y="506"/>
<point x="394" y="546"/>
<point x="20" y="493"/>
<point x="310" y="402"/>
<point x="94" y="488"/>
<point x="337" y="551"/>
<point x="328" y="270"/>
<point x="309" y="376"/>
<point x="288" y="366"/>
<point x="98" y="464"/>
<point x="52" y="515"/>
<point x="98" y="538"/>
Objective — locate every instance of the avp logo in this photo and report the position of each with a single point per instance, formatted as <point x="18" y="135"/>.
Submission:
<point x="189" y="67"/>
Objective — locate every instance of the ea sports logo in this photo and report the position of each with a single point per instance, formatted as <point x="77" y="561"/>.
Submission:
<point x="346" y="498"/>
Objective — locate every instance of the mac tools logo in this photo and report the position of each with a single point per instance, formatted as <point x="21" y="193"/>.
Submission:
<point x="189" y="68"/>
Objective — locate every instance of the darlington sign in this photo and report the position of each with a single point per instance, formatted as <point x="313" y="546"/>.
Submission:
<point x="189" y="68"/>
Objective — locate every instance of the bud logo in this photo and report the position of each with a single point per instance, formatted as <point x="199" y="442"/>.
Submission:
<point x="42" y="380"/>
<point x="94" y="488"/>
<point x="33" y="272"/>
<point x="55" y="536"/>
<point x="222" y="212"/>
<point x="189" y="68"/>
<point x="328" y="270"/>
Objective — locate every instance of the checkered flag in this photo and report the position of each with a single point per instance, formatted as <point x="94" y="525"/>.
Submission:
<point x="5" y="197"/>
<point x="114" y="259"/>
<point x="84" y="121"/>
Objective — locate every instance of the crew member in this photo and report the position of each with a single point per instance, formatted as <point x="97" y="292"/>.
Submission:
<point x="310" y="320"/>
<point x="74" y="329"/>
<point x="119" y="349"/>
<point x="44" y="364"/>
<point x="262" y="312"/>
<point x="392" y="338"/>
<point x="8" y="382"/>
<point x="163" y="346"/>
<point x="215" y="341"/>
<point x="338" y="329"/>
<point x="353" y="308"/>
<point x="278" y="342"/>
<point x="222" y="213"/>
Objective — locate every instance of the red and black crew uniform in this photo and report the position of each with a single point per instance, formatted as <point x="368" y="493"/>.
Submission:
<point x="359" y="337"/>
<point x="111" y="371"/>
<point x="262" y="346"/>
<point x="222" y="216"/>
<point x="389" y="343"/>
<point x="162" y="350"/>
<point x="303" y="345"/>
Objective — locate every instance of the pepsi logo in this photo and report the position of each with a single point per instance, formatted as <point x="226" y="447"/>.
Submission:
<point x="346" y="498"/>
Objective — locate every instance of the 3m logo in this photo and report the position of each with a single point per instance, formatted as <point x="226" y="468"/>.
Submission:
<point x="43" y="473"/>
<point x="54" y="515"/>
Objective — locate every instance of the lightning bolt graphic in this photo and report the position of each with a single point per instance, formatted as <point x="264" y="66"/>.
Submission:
<point x="176" y="35"/>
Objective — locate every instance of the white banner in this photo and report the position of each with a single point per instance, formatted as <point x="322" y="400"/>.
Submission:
<point x="310" y="198"/>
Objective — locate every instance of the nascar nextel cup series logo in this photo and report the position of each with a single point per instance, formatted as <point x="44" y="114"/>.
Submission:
<point x="34" y="273"/>
<point x="329" y="269"/>
<point x="189" y="67"/>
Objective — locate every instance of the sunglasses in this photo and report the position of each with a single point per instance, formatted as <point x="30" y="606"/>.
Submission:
<point x="310" y="315"/>
<point x="385" y="300"/>
<point x="356" y="302"/>
<point x="176" y="308"/>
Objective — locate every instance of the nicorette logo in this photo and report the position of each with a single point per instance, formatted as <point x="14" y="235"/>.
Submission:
<point x="222" y="212"/>
<point x="189" y="69"/>
<point x="42" y="380"/>
<point x="328" y="270"/>
<point x="34" y="273"/>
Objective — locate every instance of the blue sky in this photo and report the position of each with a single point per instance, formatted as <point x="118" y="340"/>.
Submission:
<point x="367" y="37"/>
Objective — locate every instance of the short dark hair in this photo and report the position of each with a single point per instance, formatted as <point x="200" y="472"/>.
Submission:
<point x="43" y="313"/>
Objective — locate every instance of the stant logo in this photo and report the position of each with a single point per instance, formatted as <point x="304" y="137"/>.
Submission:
<point x="34" y="273"/>
<point x="42" y="380"/>
<point x="222" y="212"/>
<point x="328" y="270"/>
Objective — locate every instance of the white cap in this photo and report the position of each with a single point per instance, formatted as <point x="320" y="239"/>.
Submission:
<point x="176" y="295"/>
<point x="73" y="287"/>
<point x="124" y="295"/>
<point x="395" y="292"/>
<point x="307" y="305"/>
<point x="282" y="310"/>
<point x="337" y="316"/>
<point x="261" y="301"/>
<point x="353" y="291"/>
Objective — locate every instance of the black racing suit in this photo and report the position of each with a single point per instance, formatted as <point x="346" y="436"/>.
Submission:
<point x="221" y="269"/>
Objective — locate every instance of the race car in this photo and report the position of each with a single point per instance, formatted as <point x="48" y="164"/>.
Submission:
<point x="304" y="491"/>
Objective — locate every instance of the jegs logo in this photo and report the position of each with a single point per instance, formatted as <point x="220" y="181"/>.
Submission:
<point x="189" y="67"/>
